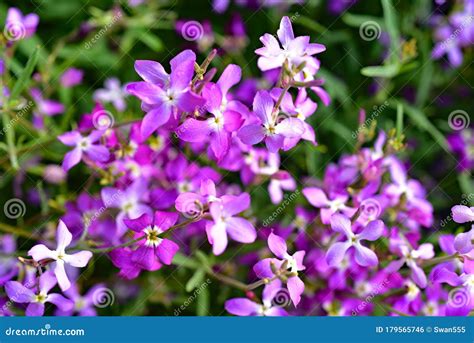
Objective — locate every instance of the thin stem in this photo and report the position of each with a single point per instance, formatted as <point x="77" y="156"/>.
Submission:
<point x="17" y="231"/>
<point x="438" y="260"/>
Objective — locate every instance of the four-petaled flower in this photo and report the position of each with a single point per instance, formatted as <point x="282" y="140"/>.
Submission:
<point x="60" y="257"/>
<point x="24" y="295"/>
<point x="363" y="255"/>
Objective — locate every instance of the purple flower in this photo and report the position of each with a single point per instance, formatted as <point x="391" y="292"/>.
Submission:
<point x="462" y="214"/>
<point x="462" y="143"/>
<point x="294" y="50"/>
<point x="191" y="204"/>
<point x="410" y="257"/>
<point x="83" y="305"/>
<point x="131" y="202"/>
<point x="71" y="77"/>
<point x="218" y="128"/>
<point x="112" y="93"/>
<point x="288" y="264"/>
<point x="18" y="26"/>
<point x="23" y="295"/>
<point x="417" y="207"/>
<point x="44" y="107"/>
<point x="153" y="249"/>
<point x="83" y="145"/>
<point x="247" y="307"/>
<point x="163" y="94"/>
<point x="239" y="229"/>
<point x="363" y="256"/>
<point x="267" y="128"/>
<point x="63" y="237"/>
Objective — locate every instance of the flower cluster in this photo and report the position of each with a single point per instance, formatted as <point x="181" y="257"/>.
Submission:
<point x="184" y="178"/>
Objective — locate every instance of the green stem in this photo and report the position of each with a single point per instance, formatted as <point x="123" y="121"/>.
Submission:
<point x="438" y="260"/>
<point x="17" y="231"/>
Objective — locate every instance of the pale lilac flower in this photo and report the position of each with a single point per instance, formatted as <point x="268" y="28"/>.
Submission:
<point x="18" y="26"/>
<point x="337" y="204"/>
<point x="60" y="257"/>
<point x="363" y="255"/>
<point x="294" y="50"/>
<point x="83" y="145"/>
<point x="113" y="93"/>
<point x="131" y="202"/>
<point x="36" y="301"/>
<point x="462" y="214"/>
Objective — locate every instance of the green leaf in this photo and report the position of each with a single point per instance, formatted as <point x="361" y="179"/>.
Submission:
<point x="391" y="23"/>
<point x="22" y="81"/>
<point x="399" y="120"/>
<point x="388" y="71"/>
<point x="311" y="24"/>
<point x="150" y="40"/>
<point x="356" y="20"/>
<point x="202" y="304"/>
<point x="420" y="119"/>
<point x="196" y="280"/>
<point x="184" y="261"/>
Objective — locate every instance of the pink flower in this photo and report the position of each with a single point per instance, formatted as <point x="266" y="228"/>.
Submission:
<point x="293" y="264"/>
<point x="239" y="229"/>
<point x="267" y="128"/>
